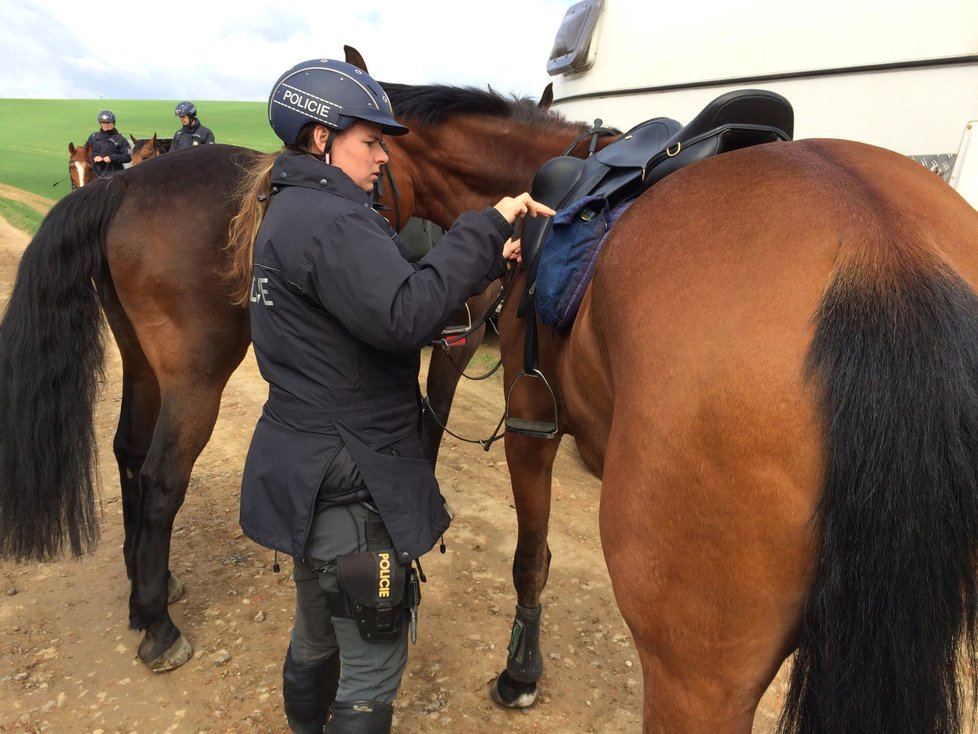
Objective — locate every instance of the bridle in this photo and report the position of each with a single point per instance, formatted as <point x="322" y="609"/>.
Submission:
<point x="395" y="192"/>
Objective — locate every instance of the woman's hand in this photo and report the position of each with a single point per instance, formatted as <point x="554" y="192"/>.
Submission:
<point x="511" y="251"/>
<point x="515" y="207"/>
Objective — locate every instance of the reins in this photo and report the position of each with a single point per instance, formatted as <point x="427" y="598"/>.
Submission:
<point x="485" y="443"/>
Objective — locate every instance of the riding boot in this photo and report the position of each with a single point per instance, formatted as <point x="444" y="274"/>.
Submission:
<point x="360" y="717"/>
<point x="308" y="689"/>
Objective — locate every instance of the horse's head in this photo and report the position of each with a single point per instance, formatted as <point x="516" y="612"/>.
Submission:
<point x="143" y="148"/>
<point x="79" y="165"/>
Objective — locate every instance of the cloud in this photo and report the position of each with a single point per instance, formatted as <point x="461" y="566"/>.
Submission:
<point x="142" y="50"/>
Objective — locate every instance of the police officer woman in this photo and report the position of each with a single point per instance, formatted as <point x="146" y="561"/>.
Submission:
<point x="192" y="133"/>
<point x="109" y="150"/>
<point x="335" y="475"/>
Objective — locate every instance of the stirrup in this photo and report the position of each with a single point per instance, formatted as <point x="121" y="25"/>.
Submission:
<point x="532" y="428"/>
<point x="453" y="329"/>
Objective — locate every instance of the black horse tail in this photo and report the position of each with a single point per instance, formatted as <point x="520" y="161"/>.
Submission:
<point x="52" y="345"/>
<point x="890" y="619"/>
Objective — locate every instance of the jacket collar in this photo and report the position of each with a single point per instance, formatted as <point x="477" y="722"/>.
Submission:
<point x="299" y="169"/>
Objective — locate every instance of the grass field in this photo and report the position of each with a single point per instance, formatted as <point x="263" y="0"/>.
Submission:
<point x="34" y="137"/>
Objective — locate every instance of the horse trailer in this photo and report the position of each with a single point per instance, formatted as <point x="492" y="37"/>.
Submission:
<point x="899" y="74"/>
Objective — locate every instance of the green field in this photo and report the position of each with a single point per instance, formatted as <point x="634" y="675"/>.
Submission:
<point x="34" y="137"/>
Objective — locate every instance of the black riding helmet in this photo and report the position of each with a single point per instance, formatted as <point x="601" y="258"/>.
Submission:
<point x="330" y="92"/>
<point x="186" y="108"/>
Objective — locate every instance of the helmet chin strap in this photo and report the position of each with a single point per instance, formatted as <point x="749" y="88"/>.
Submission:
<point x="330" y="137"/>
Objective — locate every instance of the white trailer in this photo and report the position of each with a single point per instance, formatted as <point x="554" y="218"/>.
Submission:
<point x="901" y="74"/>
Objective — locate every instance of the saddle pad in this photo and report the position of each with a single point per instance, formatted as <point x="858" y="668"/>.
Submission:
<point x="569" y="256"/>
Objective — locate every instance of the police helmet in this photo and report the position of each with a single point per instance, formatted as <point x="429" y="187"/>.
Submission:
<point x="186" y="108"/>
<point x="333" y="93"/>
<point x="106" y="116"/>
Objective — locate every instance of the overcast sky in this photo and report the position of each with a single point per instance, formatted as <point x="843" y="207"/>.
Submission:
<point x="59" y="49"/>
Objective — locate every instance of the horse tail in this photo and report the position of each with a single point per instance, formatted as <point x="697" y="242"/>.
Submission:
<point x="52" y="345"/>
<point x="253" y="193"/>
<point x="893" y="605"/>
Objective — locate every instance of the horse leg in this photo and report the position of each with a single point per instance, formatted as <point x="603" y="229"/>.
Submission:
<point x="137" y="421"/>
<point x="187" y="417"/>
<point x="531" y="471"/>
<point x="710" y="568"/>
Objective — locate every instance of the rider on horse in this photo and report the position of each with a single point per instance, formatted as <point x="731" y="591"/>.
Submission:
<point x="109" y="150"/>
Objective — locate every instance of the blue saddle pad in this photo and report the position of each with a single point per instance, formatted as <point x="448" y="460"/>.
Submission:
<point x="568" y="258"/>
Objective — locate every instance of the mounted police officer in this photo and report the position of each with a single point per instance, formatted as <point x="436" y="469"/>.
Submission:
<point x="192" y="133"/>
<point x="108" y="149"/>
<point x="335" y="475"/>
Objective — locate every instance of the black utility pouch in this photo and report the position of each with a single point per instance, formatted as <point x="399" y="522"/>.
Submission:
<point x="374" y="582"/>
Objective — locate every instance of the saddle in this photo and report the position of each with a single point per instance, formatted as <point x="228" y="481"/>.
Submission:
<point x="648" y="153"/>
<point x="590" y="193"/>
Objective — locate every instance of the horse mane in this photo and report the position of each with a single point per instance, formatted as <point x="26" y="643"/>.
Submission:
<point x="426" y="104"/>
<point x="252" y="192"/>
<point x="435" y="103"/>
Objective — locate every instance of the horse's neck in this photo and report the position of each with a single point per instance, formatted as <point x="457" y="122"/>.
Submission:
<point x="473" y="163"/>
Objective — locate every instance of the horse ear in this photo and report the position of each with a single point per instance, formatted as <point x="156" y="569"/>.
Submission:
<point x="153" y="139"/>
<point x="133" y="138"/>
<point x="71" y="148"/>
<point x="353" y="57"/>
<point x="547" y="98"/>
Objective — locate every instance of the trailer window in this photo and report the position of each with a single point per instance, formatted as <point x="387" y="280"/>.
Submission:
<point x="573" y="40"/>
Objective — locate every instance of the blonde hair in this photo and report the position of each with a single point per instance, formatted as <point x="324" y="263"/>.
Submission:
<point x="253" y="192"/>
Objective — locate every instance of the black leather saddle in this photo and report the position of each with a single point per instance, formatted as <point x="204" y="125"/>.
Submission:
<point x="651" y="151"/>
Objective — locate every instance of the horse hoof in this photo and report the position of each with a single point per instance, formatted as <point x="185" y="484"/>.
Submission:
<point x="512" y="694"/>
<point x="173" y="657"/>
<point x="174" y="589"/>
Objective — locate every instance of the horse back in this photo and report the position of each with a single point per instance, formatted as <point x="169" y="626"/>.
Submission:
<point x="167" y="259"/>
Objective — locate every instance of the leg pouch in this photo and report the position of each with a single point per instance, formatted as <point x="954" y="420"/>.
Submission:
<point x="372" y="592"/>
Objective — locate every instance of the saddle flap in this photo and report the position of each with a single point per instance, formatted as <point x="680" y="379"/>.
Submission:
<point x="635" y="147"/>
<point x="552" y="184"/>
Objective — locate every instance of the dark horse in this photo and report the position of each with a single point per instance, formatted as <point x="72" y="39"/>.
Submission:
<point x="154" y="241"/>
<point x="774" y="372"/>
<point x="145" y="148"/>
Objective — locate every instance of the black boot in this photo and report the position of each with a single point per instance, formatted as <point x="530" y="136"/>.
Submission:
<point x="360" y="717"/>
<point x="308" y="689"/>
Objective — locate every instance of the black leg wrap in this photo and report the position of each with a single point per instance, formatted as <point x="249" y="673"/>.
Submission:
<point x="308" y="689"/>
<point x="525" y="663"/>
<point x="360" y="717"/>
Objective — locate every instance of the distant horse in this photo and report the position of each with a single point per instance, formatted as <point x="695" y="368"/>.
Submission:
<point x="153" y="240"/>
<point x="146" y="148"/>
<point x="80" y="165"/>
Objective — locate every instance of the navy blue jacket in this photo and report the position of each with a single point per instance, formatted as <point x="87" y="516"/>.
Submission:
<point x="113" y="145"/>
<point x="190" y="135"/>
<point x="338" y="319"/>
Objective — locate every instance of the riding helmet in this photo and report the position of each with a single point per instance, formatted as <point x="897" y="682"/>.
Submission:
<point x="186" y="108"/>
<point x="333" y="93"/>
<point x="106" y="116"/>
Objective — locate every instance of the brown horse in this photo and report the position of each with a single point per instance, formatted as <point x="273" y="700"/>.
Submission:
<point x="153" y="240"/>
<point x="774" y="373"/>
<point x="80" y="165"/>
<point x="145" y="148"/>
